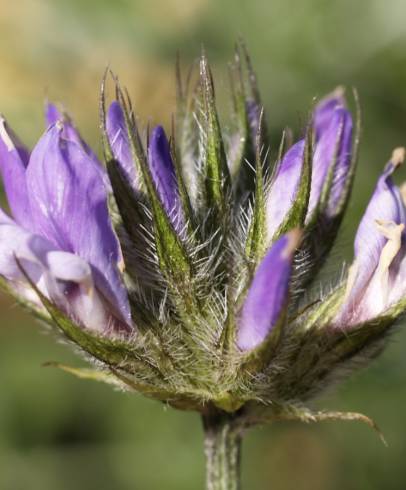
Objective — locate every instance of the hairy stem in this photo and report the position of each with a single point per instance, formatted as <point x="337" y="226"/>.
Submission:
<point x="222" y="446"/>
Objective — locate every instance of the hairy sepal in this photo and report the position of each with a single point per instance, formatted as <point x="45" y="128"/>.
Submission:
<point x="173" y="258"/>
<point x="216" y="173"/>
<point x="297" y="213"/>
<point x="256" y="239"/>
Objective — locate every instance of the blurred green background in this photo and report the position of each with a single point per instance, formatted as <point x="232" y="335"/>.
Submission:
<point x="60" y="433"/>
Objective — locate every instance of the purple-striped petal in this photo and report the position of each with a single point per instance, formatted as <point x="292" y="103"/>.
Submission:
<point x="69" y="208"/>
<point x="120" y="142"/>
<point x="164" y="176"/>
<point x="13" y="162"/>
<point x="267" y="295"/>
<point x="284" y="188"/>
<point x="333" y="131"/>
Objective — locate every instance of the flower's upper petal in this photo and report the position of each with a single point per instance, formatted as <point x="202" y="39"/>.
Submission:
<point x="70" y="132"/>
<point x="325" y="109"/>
<point x="13" y="162"/>
<point x="164" y="176"/>
<point x="385" y="205"/>
<point x="376" y="238"/>
<point x="332" y="123"/>
<point x="267" y="295"/>
<point x="69" y="207"/>
<point x="284" y="188"/>
<point x="120" y="142"/>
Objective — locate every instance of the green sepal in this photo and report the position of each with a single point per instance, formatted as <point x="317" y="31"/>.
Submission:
<point x="257" y="359"/>
<point x="322" y="312"/>
<point x="326" y="352"/>
<point x="256" y="414"/>
<point x="359" y="337"/>
<point x="254" y="93"/>
<point x="90" y="374"/>
<point x="30" y="307"/>
<point x="182" y="189"/>
<point x="296" y="216"/>
<point x="112" y="351"/>
<point x="188" y="101"/>
<point x="256" y="240"/>
<point x="126" y="199"/>
<point x="114" y="377"/>
<point x="173" y="258"/>
<point x="244" y="154"/>
<point x="217" y="178"/>
<point x="107" y="151"/>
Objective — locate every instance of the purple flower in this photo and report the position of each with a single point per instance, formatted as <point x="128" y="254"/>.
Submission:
<point x="377" y="277"/>
<point x="61" y="232"/>
<point x="332" y="125"/>
<point x="268" y="293"/>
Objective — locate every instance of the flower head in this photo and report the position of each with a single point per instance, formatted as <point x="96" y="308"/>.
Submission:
<point x="184" y="265"/>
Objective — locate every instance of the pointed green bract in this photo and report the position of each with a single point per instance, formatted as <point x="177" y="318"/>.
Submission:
<point x="255" y="245"/>
<point x="172" y="254"/>
<point x="216" y="172"/>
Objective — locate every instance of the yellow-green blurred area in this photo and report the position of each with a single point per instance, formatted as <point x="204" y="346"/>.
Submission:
<point x="60" y="433"/>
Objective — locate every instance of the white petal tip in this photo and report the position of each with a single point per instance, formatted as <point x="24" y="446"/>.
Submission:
<point x="398" y="156"/>
<point x="5" y="136"/>
<point x="339" y="92"/>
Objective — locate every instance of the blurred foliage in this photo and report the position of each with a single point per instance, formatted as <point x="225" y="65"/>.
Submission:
<point x="59" y="433"/>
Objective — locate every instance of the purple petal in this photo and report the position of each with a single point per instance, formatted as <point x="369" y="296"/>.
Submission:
<point x="164" y="176"/>
<point x="333" y="126"/>
<point x="284" y="188"/>
<point x="120" y="142"/>
<point x="62" y="277"/>
<point x="13" y="162"/>
<point x="69" y="207"/>
<point x="386" y="207"/>
<point x="14" y="242"/>
<point x="267" y="295"/>
<point x="324" y="110"/>
<point x="69" y="283"/>
<point x="53" y="115"/>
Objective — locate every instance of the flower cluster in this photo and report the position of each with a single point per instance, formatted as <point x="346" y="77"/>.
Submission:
<point x="183" y="266"/>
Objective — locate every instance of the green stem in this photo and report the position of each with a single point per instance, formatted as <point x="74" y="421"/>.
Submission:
<point x="222" y="446"/>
